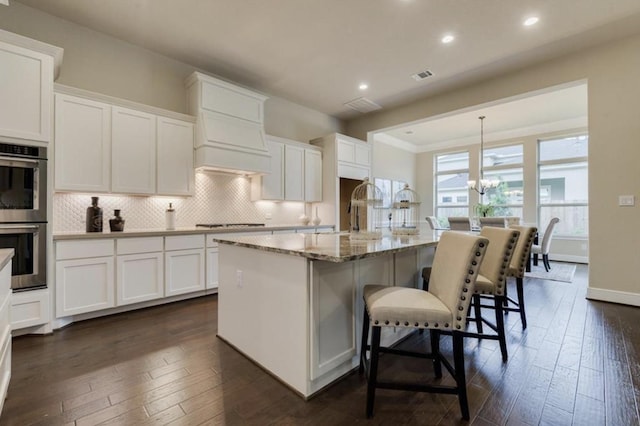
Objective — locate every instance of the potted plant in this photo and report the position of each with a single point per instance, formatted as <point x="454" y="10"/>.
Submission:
<point x="484" y="210"/>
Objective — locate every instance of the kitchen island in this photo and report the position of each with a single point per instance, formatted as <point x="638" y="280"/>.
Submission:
<point x="293" y="303"/>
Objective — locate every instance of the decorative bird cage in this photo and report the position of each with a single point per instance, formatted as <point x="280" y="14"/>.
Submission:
<point x="366" y="212"/>
<point x="406" y="211"/>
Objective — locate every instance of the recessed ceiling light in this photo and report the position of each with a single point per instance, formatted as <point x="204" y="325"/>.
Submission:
<point x="363" y="86"/>
<point x="530" y="21"/>
<point x="448" y="39"/>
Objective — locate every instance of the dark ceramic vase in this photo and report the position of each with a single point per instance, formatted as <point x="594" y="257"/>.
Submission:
<point x="94" y="216"/>
<point x="117" y="223"/>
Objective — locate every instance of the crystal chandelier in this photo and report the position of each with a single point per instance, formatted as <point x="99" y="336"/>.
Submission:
<point x="482" y="184"/>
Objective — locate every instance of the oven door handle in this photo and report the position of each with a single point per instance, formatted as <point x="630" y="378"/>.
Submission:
<point x="12" y="228"/>
<point x="18" y="160"/>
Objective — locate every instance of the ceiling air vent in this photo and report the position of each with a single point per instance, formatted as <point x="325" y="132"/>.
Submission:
<point x="422" y="75"/>
<point x="363" y="105"/>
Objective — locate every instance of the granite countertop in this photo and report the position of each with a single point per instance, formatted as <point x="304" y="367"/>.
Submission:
<point x="5" y="257"/>
<point x="332" y="247"/>
<point x="179" y="231"/>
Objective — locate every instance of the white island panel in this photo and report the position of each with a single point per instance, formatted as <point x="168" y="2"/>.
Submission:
<point x="263" y="310"/>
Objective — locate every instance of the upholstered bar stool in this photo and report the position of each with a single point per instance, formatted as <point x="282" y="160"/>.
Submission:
<point x="444" y="307"/>
<point x="517" y="268"/>
<point x="492" y="281"/>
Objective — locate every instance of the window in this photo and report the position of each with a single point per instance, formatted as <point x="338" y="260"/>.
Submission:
<point x="562" y="184"/>
<point x="505" y="164"/>
<point x="452" y="194"/>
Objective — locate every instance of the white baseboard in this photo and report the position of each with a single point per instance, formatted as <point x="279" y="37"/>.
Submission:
<point x="614" y="296"/>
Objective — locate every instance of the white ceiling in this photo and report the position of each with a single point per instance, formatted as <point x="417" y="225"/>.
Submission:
<point x="316" y="52"/>
<point x="556" y="109"/>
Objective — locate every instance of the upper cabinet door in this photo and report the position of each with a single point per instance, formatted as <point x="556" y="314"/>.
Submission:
<point x="175" y="157"/>
<point x="83" y="144"/>
<point x="363" y="155"/>
<point x="294" y="173"/>
<point x="312" y="175"/>
<point x="26" y="91"/>
<point x="133" y="154"/>
<point x="272" y="185"/>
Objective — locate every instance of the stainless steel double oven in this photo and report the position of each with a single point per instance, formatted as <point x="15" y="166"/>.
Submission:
<point x="23" y="213"/>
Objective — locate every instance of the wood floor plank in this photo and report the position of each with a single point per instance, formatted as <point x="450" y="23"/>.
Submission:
<point x="562" y="390"/>
<point x="589" y="412"/>
<point x="530" y="402"/>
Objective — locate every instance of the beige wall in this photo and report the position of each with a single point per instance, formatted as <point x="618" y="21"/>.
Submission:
<point x="104" y="64"/>
<point x="394" y="163"/>
<point x="614" y="149"/>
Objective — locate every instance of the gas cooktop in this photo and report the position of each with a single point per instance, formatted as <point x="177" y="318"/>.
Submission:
<point x="227" y="225"/>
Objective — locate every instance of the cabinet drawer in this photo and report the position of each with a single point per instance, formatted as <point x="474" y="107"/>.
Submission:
<point x="29" y="308"/>
<point x="138" y="245"/>
<point x="184" y="242"/>
<point x="83" y="249"/>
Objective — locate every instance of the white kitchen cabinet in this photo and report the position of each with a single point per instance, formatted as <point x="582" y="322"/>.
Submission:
<point x="5" y="331"/>
<point x="84" y="276"/>
<point x="342" y="157"/>
<point x="26" y="87"/>
<point x="140" y="271"/>
<point x="354" y="158"/>
<point x="102" y="146"/>
<point x="293" y="173"/>
<point x="270" y="186"/>
<point x="175" y="157"/>
<point x="133" y="152"/>
<point x="83" y="144"/>
<point x="296" y="173"/>
<point x="312" y="175"/>
<point x="184" y="263"/>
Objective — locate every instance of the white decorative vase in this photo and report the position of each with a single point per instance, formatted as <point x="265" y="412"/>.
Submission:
<point x="303" y="219"/>
<point x="316" y="220"/>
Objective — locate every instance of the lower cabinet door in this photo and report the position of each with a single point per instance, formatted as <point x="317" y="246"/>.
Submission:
<point x="84" y="285"/>
<point x="184" y="271"/>
<point x="140" y="278"/>
<point x="212" y="268"/>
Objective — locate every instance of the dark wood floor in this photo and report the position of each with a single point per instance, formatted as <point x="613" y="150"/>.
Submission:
<point x="577" y="363"/>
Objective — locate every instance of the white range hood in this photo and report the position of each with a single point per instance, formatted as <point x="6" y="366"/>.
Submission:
<point x="229" y="129"/>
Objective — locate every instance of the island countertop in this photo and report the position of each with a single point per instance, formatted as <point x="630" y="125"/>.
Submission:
<point x="332" y="247"/>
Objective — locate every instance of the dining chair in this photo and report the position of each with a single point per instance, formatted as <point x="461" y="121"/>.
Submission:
<point x="517" y="268"/>
<point x="433" y="222"/>
<point x="499" y="222"/>
<point x="459" y="223"/>
<point x="543" y="248"/>
<point x="444" y="307"/>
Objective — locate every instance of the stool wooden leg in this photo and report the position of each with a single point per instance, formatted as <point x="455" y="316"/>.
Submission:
<point x="477" y="310"/>
<point x="461" y="381"/>
<point x="520" y="289"/>
<point x="373" y="370"/>
<point x="363" y="344"/>
<point x="435" y="351"/>
<point x="500" y="326"/>
<point x="506" y="301"/>
<point x="545" y="261"/>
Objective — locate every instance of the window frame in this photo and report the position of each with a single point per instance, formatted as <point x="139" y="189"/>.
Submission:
<point x="437" y="205"/>
<point x="560" y="162"/>
<point x="510" y="166"/>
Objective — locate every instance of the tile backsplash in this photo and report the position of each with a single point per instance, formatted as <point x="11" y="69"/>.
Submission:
<point x="219" y="198"/>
